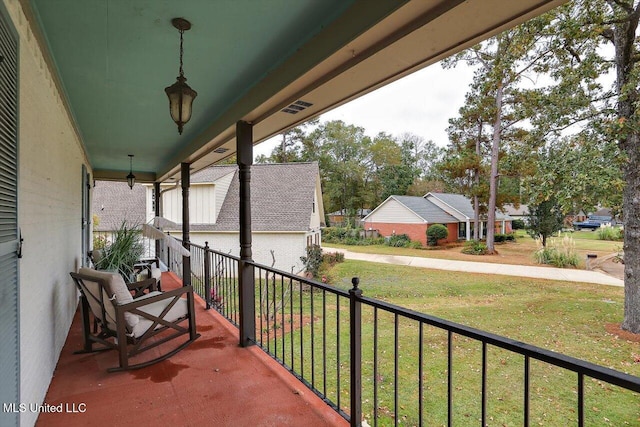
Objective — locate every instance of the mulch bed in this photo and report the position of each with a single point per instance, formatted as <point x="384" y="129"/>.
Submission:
<point x="614" y="329"/>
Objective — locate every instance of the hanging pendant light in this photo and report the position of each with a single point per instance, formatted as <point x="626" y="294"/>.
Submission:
<point x="131" y="178"/>
<point x="180" y="95"/>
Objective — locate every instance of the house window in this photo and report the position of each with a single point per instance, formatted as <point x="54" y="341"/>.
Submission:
<point x="462" y="230"/>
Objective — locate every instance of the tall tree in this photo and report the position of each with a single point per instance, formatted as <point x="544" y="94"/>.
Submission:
<point x="527" y="91"/>
<point x="342" y="152"/>
<point x="620" y="27"/>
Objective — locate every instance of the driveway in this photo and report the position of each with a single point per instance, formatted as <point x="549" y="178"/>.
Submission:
<point x="550" y="273"/>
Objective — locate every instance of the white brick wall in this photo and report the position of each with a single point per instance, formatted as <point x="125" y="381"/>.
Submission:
<point x="49" y="203"/>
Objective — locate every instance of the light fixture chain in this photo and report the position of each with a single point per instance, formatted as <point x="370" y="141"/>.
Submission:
<point x="181" y="51"/>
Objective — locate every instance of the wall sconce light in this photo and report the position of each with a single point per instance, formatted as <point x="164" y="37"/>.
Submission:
<point x="131" y="178"/>
<point x="180" y="95"/>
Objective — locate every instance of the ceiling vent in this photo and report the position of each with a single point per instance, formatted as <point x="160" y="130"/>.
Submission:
<point x="296" y="107"/>
<point x="220" y="150"/>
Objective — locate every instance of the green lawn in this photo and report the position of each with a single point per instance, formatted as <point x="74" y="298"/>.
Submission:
<point x="564" y="317"/>
<point x="519" y="252"/>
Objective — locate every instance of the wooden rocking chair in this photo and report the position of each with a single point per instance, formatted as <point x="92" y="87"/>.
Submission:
<point x="133" y="325"/>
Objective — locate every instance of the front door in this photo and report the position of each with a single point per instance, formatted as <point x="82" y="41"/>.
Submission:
<point x="9" y="234"/>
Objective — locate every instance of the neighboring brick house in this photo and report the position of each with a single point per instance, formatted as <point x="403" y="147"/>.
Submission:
<point x="286" y="209"/>
<point x="413" y="215"/>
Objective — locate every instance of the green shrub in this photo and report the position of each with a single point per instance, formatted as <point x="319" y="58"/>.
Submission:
<point x="474" y="247"/>
<point x="414" y="244"/>
<point x="607" y="232"/>
<point x="398" y="241"/>
<point x="349" y="236"/>
<point x="436" y="232"/>
<point x="501" y="238"/>
<point x="332" y="258"/>
<point x="313" y="260"/>
<point x="559" y="252"/>
<point x="518" y="224"/>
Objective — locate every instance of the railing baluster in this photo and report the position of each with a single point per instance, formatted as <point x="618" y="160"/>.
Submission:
<point x="450" y="379"/>
<point x="313" y="347"/>
<point x="421" y="373"/>
<point x="355" y="352"/>
<point x="580" y="400"/>
<point x="396" y="351"/>
<point x="375" y="367"/>
<point x="526" y="391"/>
<point x="282" y="311"/>
<point x="260" y="308"/>
<point x="207" y="276"/>
<point x="291" y="321"/>
<point x="301" y="335"/>
<point x="338" y="351"/>
<point x="484" y="383"/>
<point x="324" y="342"/>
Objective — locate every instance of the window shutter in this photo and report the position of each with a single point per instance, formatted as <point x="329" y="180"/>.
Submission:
<point x="9" y="326"/>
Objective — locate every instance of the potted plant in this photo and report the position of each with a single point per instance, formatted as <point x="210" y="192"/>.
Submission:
<point x="123" y="252"/>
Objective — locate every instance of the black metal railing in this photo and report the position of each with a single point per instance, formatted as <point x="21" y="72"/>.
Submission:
<point x="375" y="361"/>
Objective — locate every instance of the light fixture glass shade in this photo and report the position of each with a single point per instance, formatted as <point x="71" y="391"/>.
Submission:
<point x="181" y="97"/>
<point x="131" y="179"/>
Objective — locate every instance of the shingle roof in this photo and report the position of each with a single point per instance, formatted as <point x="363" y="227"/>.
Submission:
<point x="425" y="209"/>
<point x="282" y="198"/>
<point x="463" y="204"/>
<point x="114" y="202"/>
<point x="212" y="173"/>
<point x="510" y="209"/>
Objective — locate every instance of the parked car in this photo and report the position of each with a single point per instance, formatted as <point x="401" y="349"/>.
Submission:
<point x="593" y="222"/>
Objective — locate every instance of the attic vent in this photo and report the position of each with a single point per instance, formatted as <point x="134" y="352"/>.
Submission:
<point x="220" y="150"/>
<point x="296" y="107"/>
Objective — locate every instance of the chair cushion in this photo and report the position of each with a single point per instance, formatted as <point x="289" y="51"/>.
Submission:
<point x="93" y="288"/>
<point x="115" y="288"/>
<point x="177" y="311"/>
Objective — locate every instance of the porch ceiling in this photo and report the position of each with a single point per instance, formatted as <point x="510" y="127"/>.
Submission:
<point x="247" y="60"/>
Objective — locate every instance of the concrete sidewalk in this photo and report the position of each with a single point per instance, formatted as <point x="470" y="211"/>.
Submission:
<point x="550" y="273"/>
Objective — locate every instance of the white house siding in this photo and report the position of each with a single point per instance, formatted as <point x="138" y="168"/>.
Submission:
<point x="49" y="215"/>
<point x="287" y="247"/>
<point x="202" y="204"/>
<point x="394" y="212"/>
<point x="315" y="215"/>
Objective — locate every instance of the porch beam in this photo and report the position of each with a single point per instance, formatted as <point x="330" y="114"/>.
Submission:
<point x="185" y="182"/>
<point x="246" y="276"/>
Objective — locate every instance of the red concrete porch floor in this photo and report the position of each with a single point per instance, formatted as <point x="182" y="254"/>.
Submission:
<point x="213" y="382"/>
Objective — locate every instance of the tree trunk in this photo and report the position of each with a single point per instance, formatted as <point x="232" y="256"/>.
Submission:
<point x="493" y="178"/>
<point x="476" y="171"/>
<point x="627" y="91"/>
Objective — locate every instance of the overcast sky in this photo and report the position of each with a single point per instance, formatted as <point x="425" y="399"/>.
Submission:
<point x="421" y="103"/>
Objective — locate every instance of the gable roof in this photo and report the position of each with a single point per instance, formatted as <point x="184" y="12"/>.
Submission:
<point x="282" y="197"/>
<point x="511" y="210"/>
<point x="213" y="173"/>
<point x="114" y="202"/>
<point x="425" y="209"/>
<point x="462" y="204"/>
